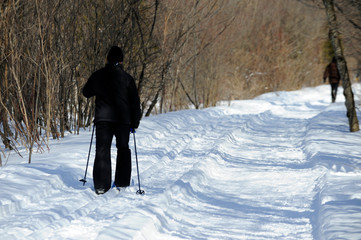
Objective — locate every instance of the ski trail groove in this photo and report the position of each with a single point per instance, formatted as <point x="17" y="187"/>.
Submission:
<point x="253" y="157"/>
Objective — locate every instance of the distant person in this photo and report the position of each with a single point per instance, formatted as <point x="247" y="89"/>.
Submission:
<point x="333" y="75"/>
<point x="117" y="111"/>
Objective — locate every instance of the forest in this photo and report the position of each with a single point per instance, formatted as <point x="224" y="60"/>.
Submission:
<point x="182" y="54"/>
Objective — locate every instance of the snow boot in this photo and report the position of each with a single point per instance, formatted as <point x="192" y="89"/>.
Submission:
<point x="100" y="191"/>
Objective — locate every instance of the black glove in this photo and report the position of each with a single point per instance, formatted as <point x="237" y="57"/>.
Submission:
<point x="134" y="125"/>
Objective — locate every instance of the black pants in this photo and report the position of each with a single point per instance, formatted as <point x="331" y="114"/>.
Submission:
<point x="102" y="172"/>
<point x="334" y="87"/>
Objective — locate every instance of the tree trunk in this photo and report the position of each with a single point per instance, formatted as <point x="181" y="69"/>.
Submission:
<point x="341" y="65"/>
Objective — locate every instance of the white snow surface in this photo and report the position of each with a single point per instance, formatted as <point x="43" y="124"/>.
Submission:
<point x="281" y="166"/>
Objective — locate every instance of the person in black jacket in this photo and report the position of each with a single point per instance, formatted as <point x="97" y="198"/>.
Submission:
<point x="117" y="112"/>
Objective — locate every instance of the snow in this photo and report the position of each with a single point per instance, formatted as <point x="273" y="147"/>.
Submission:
<point x="281" y="166"/>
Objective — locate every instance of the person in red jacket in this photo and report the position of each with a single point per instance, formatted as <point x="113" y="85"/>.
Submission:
<point x="333" y="75"/>
<point x="117" y="112"/>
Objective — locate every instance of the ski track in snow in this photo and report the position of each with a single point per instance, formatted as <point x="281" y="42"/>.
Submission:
<point x="281" y="166"/>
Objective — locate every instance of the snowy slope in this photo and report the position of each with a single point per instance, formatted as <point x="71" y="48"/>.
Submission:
<point x="281" y="166"/>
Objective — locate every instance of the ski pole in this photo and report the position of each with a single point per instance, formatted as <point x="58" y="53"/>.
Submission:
<point x="87" y="163"/>
<point x="139" y="191"/>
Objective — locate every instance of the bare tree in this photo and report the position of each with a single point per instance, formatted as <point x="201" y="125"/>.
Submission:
<point x="49" y="49"/>
<point x="350" y="23"/>
<point x="341" y="65"/>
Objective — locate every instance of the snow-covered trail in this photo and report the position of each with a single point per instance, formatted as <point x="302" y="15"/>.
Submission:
<point x="282" y="166"/>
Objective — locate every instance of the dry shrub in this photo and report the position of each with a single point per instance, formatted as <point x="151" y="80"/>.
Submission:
<point x="240" y="49"/>
<point x="277" y="47"/>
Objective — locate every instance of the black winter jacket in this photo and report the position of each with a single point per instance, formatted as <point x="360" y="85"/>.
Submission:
<point x="117" y="98"/>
